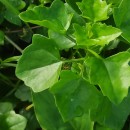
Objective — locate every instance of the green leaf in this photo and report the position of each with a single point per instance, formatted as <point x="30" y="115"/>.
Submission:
<point x="1" y="38"/>
<point x="5" y="107"/>
<point x="54" y="18"/>
<point x="74" y="96"/>
<point x="95" y="35"/>
<point x="11" y="13"/>
<point x="111" y="115"/>
<point x="122" y="18"/>
<point x="40" y="64"/>
<point x="47" y="113"/>
<point x="23" y="93"/>
<point x="73" y="4"/>
<point x="61" y="41"/>
<point x="12" y="121"/>
<point x="111" y="74"/>
<point x="94" y="10"/>
<point x="83" y="123"/>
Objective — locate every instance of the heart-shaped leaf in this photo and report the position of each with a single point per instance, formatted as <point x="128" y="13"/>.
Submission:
<point x="40" y="64"/>
<point x="55" y="18"/>
<point x="111" y="74"/>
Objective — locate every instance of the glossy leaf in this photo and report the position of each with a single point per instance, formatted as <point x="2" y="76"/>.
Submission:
<point x="1" y="38"/>
<point x="75" y="94"/>
<point x="122" y="18"/>
<point x="54" y="18"/>
<point x="12" y="121"/>
<point x="94" y="10"/>
<point x="47" y="113"/>
<point x="40" y="64"/>
<point x="96" y="34"/>
<point x="111" y="74"/>
<point x="111" y="115"/>
<point x="61" y="41"/>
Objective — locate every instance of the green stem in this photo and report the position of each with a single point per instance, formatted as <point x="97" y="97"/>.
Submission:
<point x="9" y="6"/>
<point x="8" y="64"/>
<point x="73" y="60"/>
<point x="70" y="38"/>
<point x="94" y="53"/>
<point x="13" y="43"/>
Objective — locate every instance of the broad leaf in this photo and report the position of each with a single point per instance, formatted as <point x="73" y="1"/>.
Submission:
<point x="111" y="74"/>
<point x="47" y="113"/>
<point x="74" y="96"/>
<point x="94" y="10"/>
<point x="111" y="115"/>
<point x="12" y="121"/>
<point x="122" y="18"/>
<point x="54" y="18"/>
<point x="97" y="34"/>
<point x="61" y="41"/>
<point x="39" y="65"/>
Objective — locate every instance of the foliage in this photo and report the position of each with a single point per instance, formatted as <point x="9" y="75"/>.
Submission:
<point x="75" y="65"/>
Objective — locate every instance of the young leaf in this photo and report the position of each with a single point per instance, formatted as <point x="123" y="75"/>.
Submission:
<point x="12" y="121"/>
<point x="111" y="115"/>
<point x="54" y="18"/>
<point x="111" y="74"/>
<point x="95" y="35"/>
<point x="74" y="96"/>
<point x="94" y="10"/>
<point x="47" y="113"/>
<point x="39" y="66"/>
<point x="122" y="18"/>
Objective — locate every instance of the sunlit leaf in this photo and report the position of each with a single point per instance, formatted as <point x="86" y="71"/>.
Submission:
<point x="111" y="74"/>
<point x="94" y="10"/>
<point x="40" y="64"/>
<point x="55" y="17"/>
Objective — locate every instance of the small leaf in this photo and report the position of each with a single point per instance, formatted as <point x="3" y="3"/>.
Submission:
<point x="94" y="10"/>
<point x="47" y="113"/>
<point x="61" y="41"/>
<point x="1" y="38"/>
<point x="54" y="18"/>
<point x="97" y="34"/>
<point x="111" y="74"/>
<point x="12" y="121"/>
<point x="75" y="94"/>
<point x="39" y="66"/>
<point x="122" y="18"/>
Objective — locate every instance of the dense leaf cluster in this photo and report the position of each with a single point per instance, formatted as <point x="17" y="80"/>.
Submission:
<point x="78" y="68"/>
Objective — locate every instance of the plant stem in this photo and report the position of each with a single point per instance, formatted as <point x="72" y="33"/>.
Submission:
<point x="73" y="60"/>
<point x="94" y="53"/>
<point x="70" y="38"/>
<point x="8" y="64"/>
<point x="13" y="43"/>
